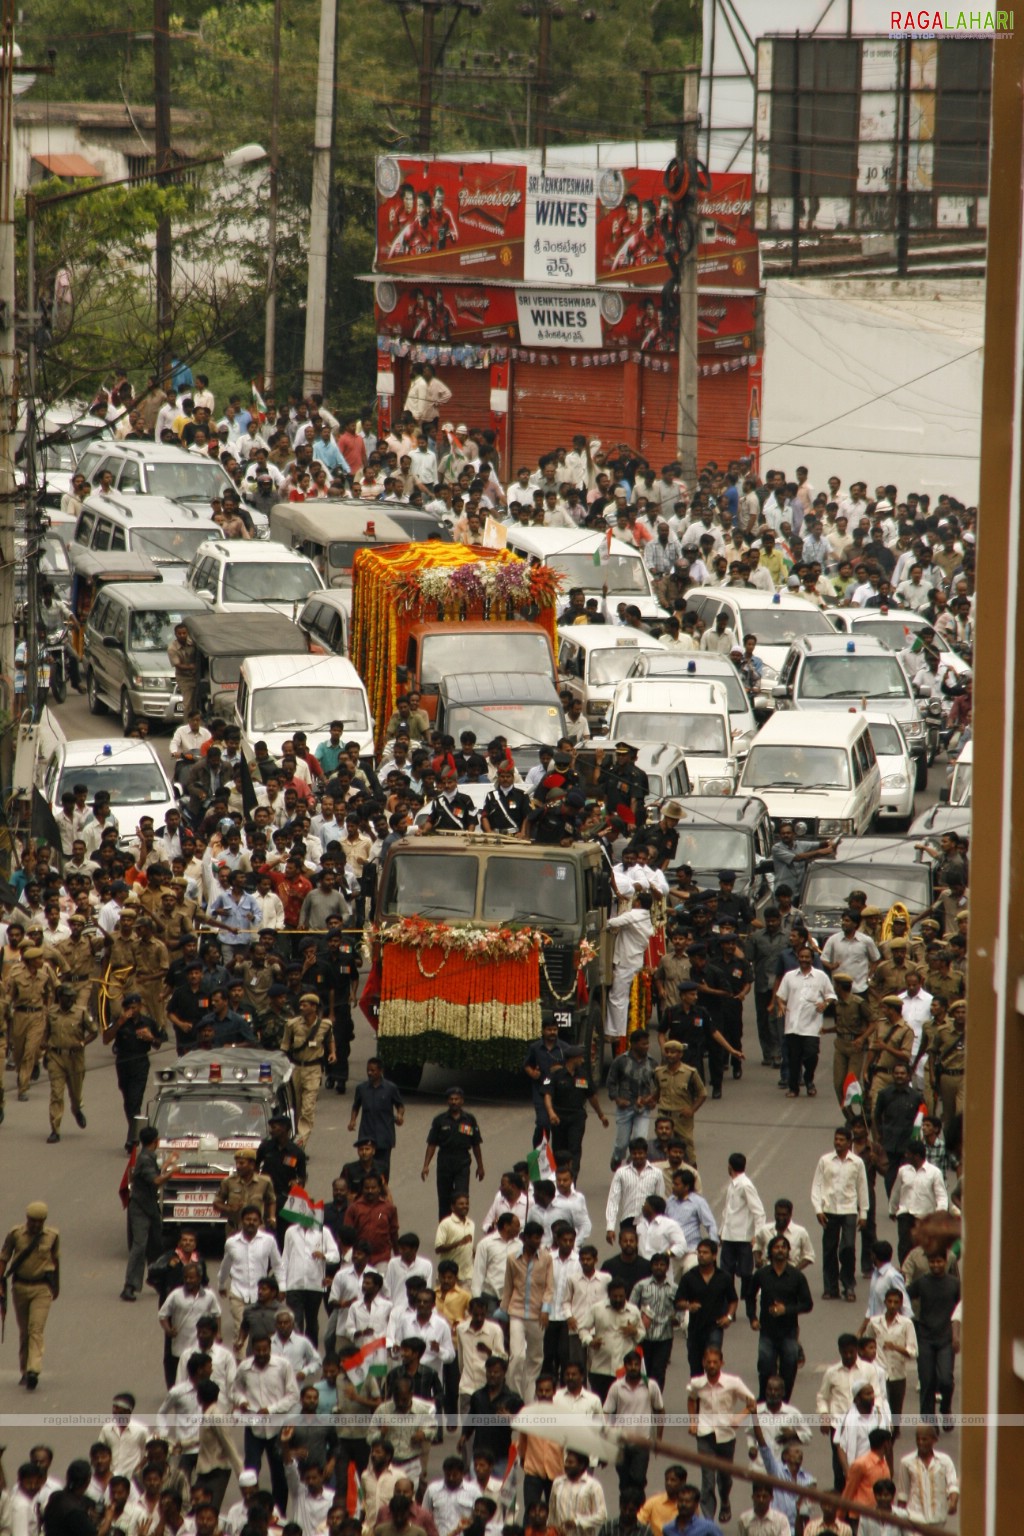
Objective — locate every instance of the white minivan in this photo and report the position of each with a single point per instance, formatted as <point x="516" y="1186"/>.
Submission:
<point x="281" y="694"/>
<point x="816" y="768"/>
<point x="589" y="560"/>
<point x="691" y="716"/>
<point x="594" y="658"/>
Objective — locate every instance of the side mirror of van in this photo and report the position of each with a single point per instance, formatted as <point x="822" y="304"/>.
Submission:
<point x="780" y="691"/>
<point x="112" y="643"/>
<point x="944" y="795"/>
<point x="762" y="708"/>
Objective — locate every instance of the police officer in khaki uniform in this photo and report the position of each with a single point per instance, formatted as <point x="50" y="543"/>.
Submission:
<point x="29" y="995"/>
<point x="852" y="1021"/>
<point x="181" y="653"/>
<point x="949" y="1061"/>
<point x="151" y="962"/>
<point x="890" y="975"/>
<point x="942" y="979"/>
<point x="914" y="946"/>
<point x="68" y="1032"/>
<point x="119" y="975"/>
<point x="30" y="1260"/>
<point x="171" y="923"/>
<point x="303" y="1041"/>
<point x="245" y="1187"/>
<point x="79" y="955"/>
<point x="891" y="1040"/>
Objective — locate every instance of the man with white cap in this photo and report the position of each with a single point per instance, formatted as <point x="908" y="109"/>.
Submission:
<point x="238" y="1515"/>
<point x="30" y="1259"/>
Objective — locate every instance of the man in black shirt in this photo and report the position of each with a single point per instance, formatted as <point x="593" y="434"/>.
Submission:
<point x="627" y="1265"/>
<point x="690" y="1023"/>
<point x="731" y="905"/>
<point x="936" y="1294"/>
<point x="452" y="811"/>
<point x="455" y="1137"/>
<point x="567" y="1092"/>
<point x="542" y="1057"/>
<point x="506" y="808"/>
<point x="715" y="996"/>
<point x="339" y="973"/>
<point x="367" y="1160"/>
<point x="189" y="1003"/>
<point x="491" y="1401"/>
<point x="69" y="1512"/>
<point x="708" y="1294"/>
<point x="284" y="1163"/>
<point x="785" y="1297"/>
<point x="134" y="1034"/>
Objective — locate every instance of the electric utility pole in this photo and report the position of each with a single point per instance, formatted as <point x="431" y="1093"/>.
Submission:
<point x="320" y="205"/>
<point x="686" y="403"/>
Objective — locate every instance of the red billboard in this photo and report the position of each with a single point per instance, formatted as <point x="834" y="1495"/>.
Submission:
<point x="449" y="216"/>
<point x="445" y="314"/>
<point x="727" y="250"/>
<point x="633" y="214"/>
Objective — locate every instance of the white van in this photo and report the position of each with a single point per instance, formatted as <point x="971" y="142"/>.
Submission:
<point x="281" y="694"/>
<point x="816" y="768"/>
<point x="587" y="560"/>
<point x="960" y="779"/>
<point x="691" y="716"/>
<point x="594" y="658"/>
<point x="243" y="576"/>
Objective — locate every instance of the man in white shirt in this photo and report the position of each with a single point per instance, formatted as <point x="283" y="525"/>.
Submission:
<point x="265" y="1387"/>
<point x="851" y="951"/>
<point x="570" y="1204"/>
<point x="577" y="1505"/>
<point x="248" y="1256"/>
<point x="802" y="996"/>
<point x="919" y="1191"/>
<point x="492" y="1255"/>
<point x="294" y="1347"/>
<point x="189" y="739"/>
<point x="717" y="1404"/>
<point x="742" y="1214"/>
<point x="801" y="1249"/>
<point x="633" y="930"/>
<point x="631" y="1186"/>
<point x="124" y="1437"/>
<point x="927" y="1488"/>
<point x="839" y="1194"/>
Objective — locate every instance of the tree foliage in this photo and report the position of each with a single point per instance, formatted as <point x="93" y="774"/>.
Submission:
<point x="485" y="96"/>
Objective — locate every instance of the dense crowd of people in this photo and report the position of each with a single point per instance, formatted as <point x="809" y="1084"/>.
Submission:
<point x="376" y="1365"/>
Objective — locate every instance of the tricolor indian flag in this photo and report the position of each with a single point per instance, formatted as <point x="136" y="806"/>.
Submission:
<point x="541" y="1161"/>
<point x="301" y="1208"/>
<point x="371" y="1360"/>
<point x="620" y="1374"/>
<point x="259" y="402"/>
<point x="922" y="1110"/>
<point x="853" y="1094"/>
<point x="603" y="551"/>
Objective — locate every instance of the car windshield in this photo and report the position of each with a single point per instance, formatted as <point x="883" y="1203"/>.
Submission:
<point x="611" y="666"/>
<point x="522" y="725"/>
<point x="152" y="631"/>
<point x="622" y="574"/>
<point x="169" y="546"/>
<point x="781" y="626"/>
<point x="192" y="477"/>
<point x="895" y="633"/>
<point x="796" y="768"/>
<point x="853" y="677"/>
<point x="272" y="582"/>
<point x="660" y="665"/>
<point x="702" y="734"/>
<point x="886" y="740"/>
<point x="445" y="654"/>
<point x="711" y="847"/>
<point x="431" y="885"/>
<point x="199" y="1115"/>
<point x="420" y="525"/>
<point x="127" y="783"/>
<point x="828" y="886"/>
<point x="341" y="555"/>
<point x="960" y="786"/>
<point x="525" y="891"/>
<point x="290" y="708"/>
<point x="53" y="557"/>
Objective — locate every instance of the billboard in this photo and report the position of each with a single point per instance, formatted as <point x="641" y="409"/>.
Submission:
<point x="444" y="216"/>
<point x="559" y="319"/>
<point x="445" y="314"/>
<point x="571" y="227"/>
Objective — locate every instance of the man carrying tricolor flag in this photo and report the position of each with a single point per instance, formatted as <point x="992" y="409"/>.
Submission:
<point x="308" y="1248"/>
<point x="540" y="1161"/>
<point x="852" y="1096"/>
<point x="603" y="550"/>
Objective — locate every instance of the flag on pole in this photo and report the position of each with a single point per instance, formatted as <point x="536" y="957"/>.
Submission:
<point x="301" y="1208"/>
<point x="621" y="1372"/>
<point x="922" y="1110"/>
<point x="603" y="551"/>
<point x="510" y="1465"/>
<point x="258" y="401"/>
<point x="371" y="1360"/>
<point x="352" y="1500"/>
<point x="541" y="1161"/>
<point x="853" y="1094"/>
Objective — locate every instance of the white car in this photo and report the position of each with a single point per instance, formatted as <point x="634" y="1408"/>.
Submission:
<point x="896" y="767"/>
<point x="129" y="769"/>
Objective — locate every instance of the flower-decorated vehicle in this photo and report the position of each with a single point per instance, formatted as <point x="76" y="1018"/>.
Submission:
<point x="422" y="612"/>
<point x="477" y="940"/>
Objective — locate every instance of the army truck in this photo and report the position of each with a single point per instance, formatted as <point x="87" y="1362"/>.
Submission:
<point x="456" y="913"/>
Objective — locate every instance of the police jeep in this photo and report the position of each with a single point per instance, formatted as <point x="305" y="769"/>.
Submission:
<point x="207" y="1105"/>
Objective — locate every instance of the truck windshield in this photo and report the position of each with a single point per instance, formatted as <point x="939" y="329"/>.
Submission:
<point x="445" y="654"/>
<point x="431" y="885"/>
<point x="693" y="733"/>
<point x="525" y="891"/>
<point x="200" y="1115"/>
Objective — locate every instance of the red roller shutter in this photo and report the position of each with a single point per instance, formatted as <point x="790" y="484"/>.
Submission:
<point x="722" y="417"/>
<point x="471" y="393"/>
<point x="658" y="415"/>
<point x="550" y="404"/>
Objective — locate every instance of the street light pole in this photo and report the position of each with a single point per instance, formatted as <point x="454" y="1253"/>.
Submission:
<point x="8" y="382"/>
<point x="270" y="322"/>
<point x="320" y="205"/>
<point x="164" y="165"/>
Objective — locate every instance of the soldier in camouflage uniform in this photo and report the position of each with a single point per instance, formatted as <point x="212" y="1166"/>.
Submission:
<point x="271" y="1022"/>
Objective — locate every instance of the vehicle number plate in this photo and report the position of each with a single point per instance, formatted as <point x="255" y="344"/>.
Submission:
<point x="186" y="1212"/>
<point x="563" y="1019"/>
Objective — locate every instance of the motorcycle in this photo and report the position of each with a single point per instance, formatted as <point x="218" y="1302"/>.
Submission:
<point x="935" y="729"/>
<point x="57" y="659"/>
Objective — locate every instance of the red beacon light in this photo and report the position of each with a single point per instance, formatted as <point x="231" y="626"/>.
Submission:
<point x="215" y="1072"/>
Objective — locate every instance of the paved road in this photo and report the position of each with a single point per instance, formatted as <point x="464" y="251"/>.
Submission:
<point x="97" y="1345"/>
